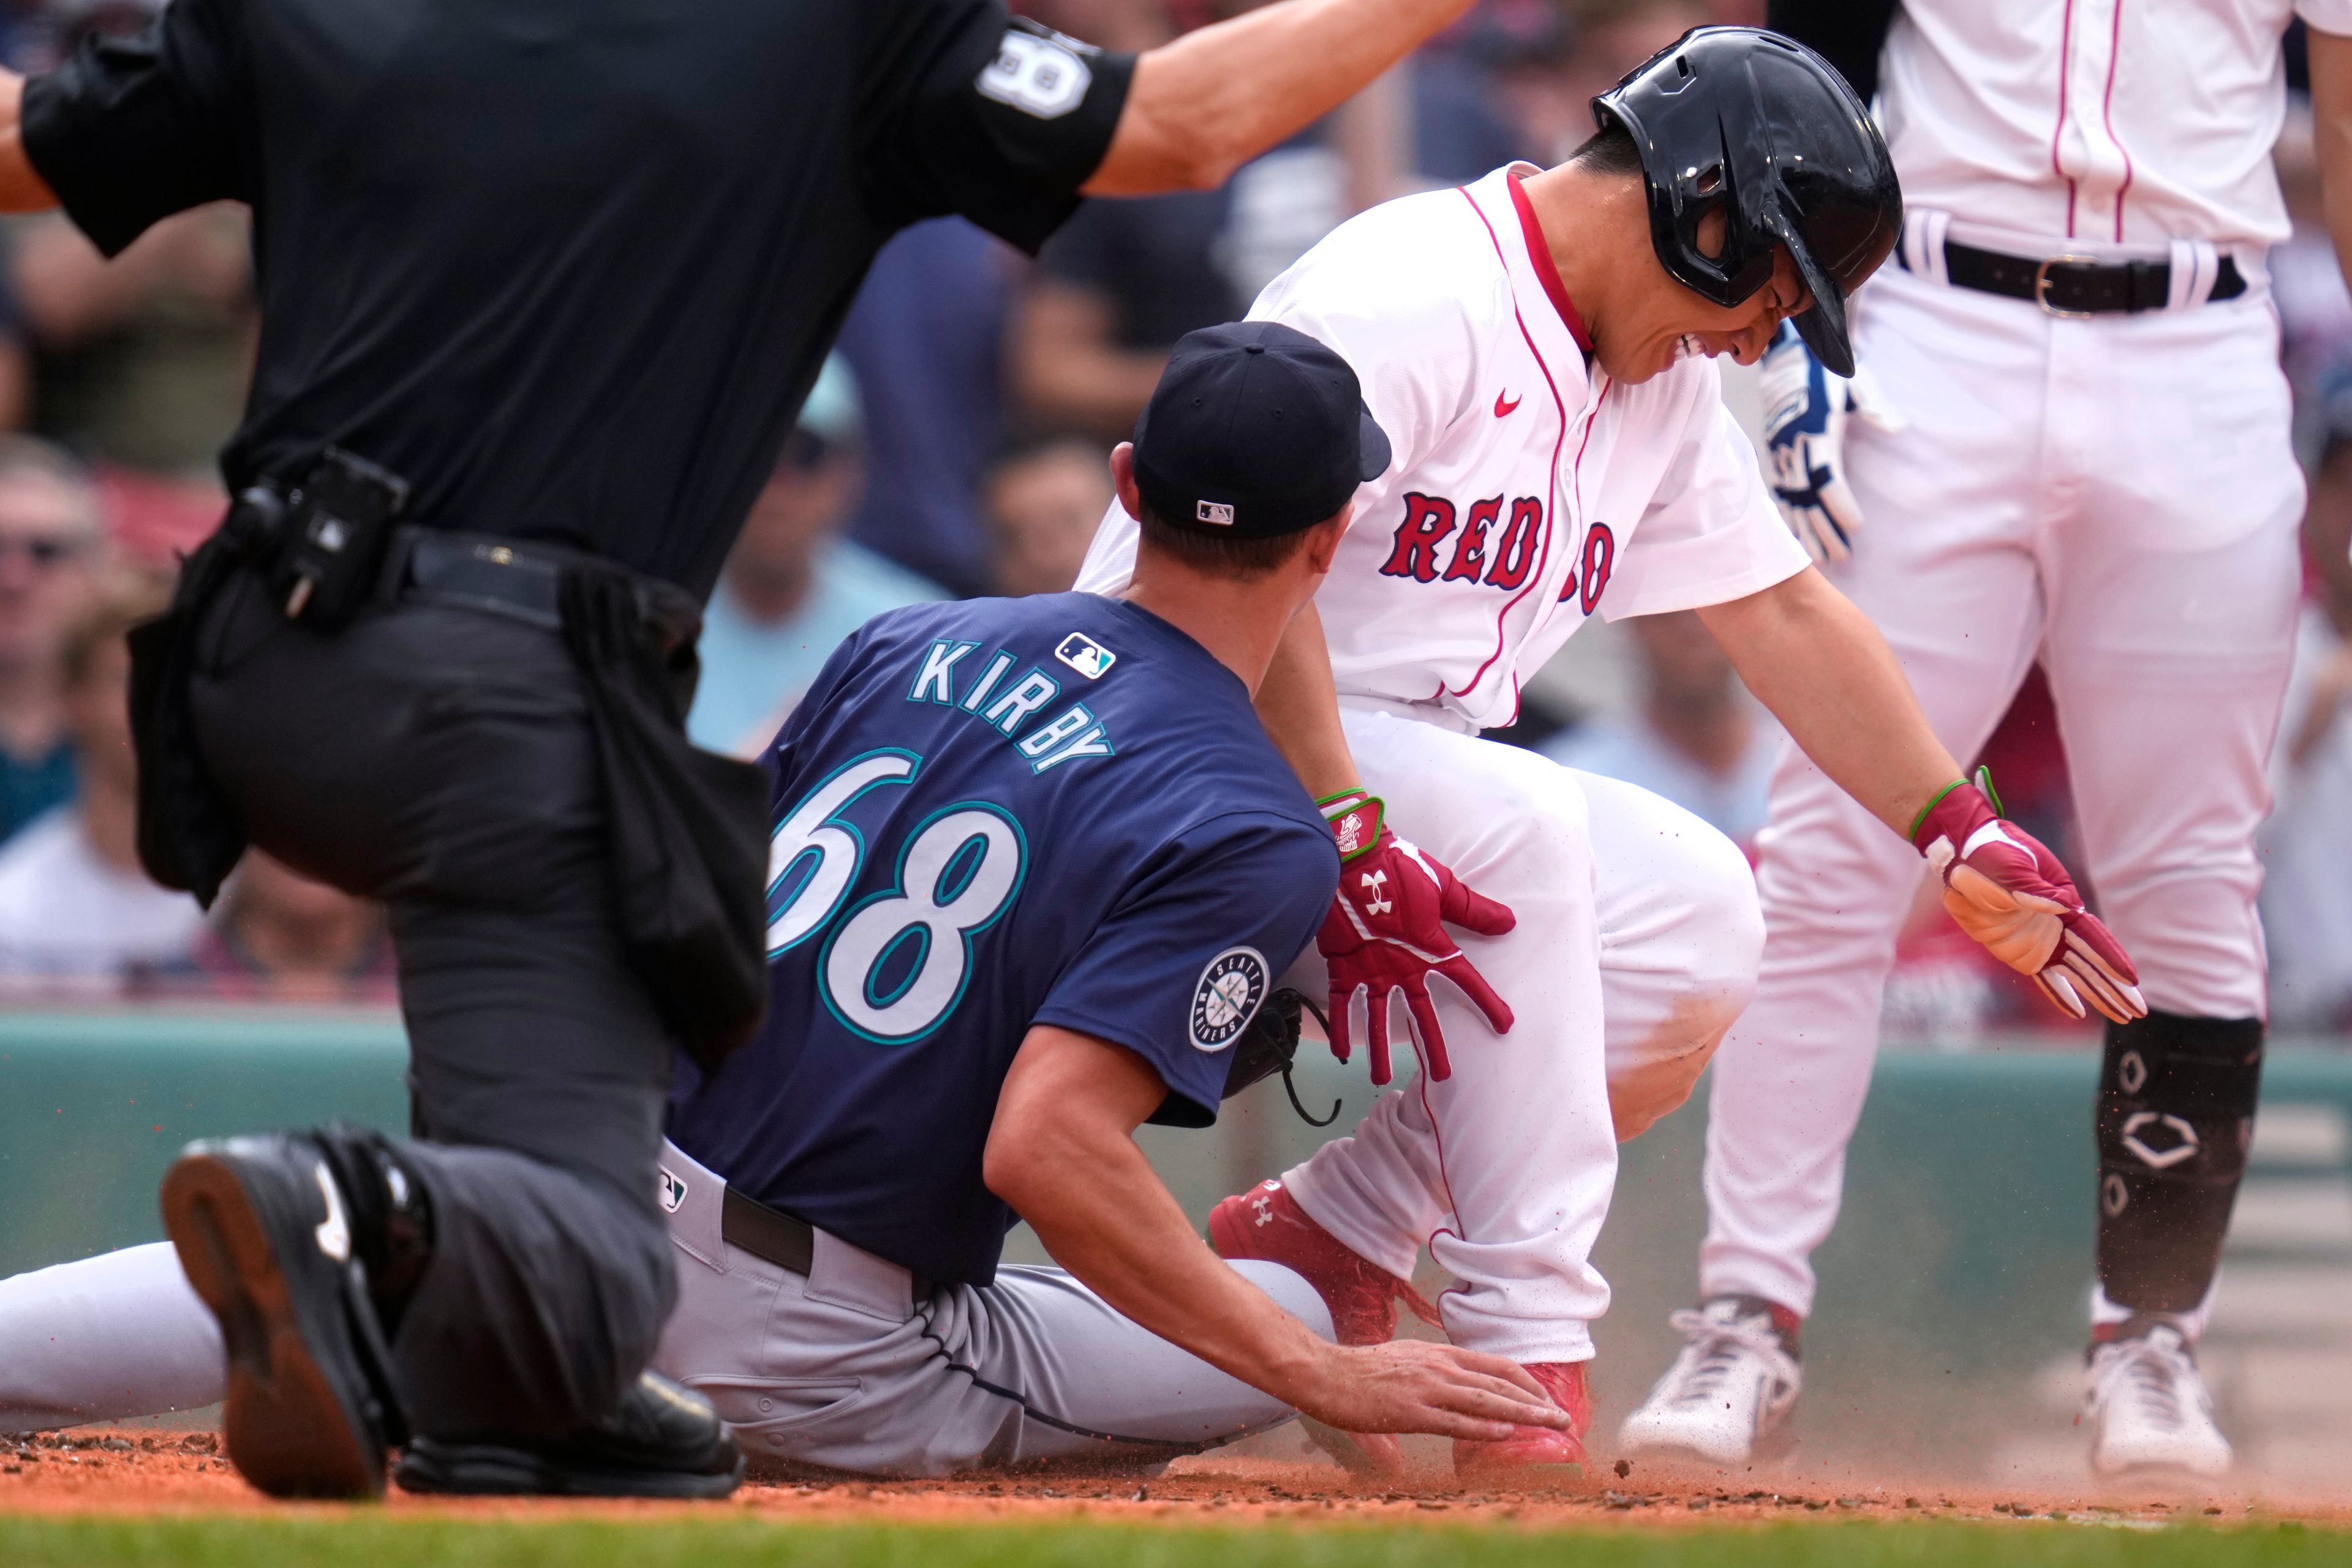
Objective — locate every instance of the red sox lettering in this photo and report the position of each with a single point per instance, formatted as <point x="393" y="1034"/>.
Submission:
<point x="1478" y="556"/>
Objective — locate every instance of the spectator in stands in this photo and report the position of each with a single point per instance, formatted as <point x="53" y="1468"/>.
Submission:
<point x="51" y="542"/>
<point x="1612" y="37"/>
<point x="140" y="362"/>
<point x="1523" y="50"/>
<point x="2306" y="897"/>
<point x="793" y="587"/>
<point x="1045" y="501"/>
<point x="1124" y="279"/>
<point x="278" y="936"/>
<point x="1698" y="738"/>
<point x="75" y="910"/>
<point x="925" y="340"/>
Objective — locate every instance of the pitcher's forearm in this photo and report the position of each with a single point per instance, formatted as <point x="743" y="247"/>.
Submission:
<point x="1298" y="703"/>
<point x="1824" y="671"/>
<point x="1063" y="1155"/>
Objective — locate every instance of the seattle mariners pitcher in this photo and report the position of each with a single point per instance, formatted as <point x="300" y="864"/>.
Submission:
<point x="1036" y="867"/>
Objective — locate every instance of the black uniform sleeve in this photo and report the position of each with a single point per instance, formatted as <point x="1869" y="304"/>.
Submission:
<point x="130" y="130"/>
<point x="1193" y="951"/>
<point x="1849" y="34"/>
<point x="999" y="119"/>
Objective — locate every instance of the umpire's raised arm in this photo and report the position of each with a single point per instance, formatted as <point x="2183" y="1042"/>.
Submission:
<point x="1197" y="109"/>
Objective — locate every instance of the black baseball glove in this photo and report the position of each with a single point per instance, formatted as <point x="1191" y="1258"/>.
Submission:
<point x="1269" y="1044"/>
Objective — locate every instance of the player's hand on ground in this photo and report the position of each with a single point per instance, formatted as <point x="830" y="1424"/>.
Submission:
<point x="1805" y="411"/>
<point x="1384" y="932"/>
<point x="2008" y="892"/>
<point x="1414" y="1386"/>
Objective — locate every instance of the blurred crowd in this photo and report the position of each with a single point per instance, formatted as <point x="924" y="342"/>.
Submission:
<point x="956" y="445"/>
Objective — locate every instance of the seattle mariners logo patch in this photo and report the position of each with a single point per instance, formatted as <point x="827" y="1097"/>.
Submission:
<point x="1227" y="997"/>
<point x="1085" y="656"/>
<point x="673" y="1192"/>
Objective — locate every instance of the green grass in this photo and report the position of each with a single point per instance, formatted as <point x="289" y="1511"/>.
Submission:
<point x="375" y="1540"/>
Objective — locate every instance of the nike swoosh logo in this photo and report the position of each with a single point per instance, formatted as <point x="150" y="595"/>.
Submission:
<point x="1503" y="409"/>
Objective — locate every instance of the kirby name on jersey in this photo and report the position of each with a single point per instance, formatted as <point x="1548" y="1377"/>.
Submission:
<point x="1073" y="733"/>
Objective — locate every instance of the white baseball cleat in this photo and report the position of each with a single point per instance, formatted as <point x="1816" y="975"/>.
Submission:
<point x="1735" y="1381"/>
<point x="2149" y="1408"/>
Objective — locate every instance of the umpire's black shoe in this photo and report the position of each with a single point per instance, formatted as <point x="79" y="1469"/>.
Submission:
<point x="665" y="1442"/>
<point x="264" y="1233"/>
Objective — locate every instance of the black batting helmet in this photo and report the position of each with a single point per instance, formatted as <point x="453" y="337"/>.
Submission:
<point x="1763" y="128"/>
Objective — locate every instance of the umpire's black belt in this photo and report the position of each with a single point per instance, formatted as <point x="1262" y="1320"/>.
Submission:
<point x="2076" y="284"/>
<point x="767" y="1233"/>
<point x="517" y="581"/>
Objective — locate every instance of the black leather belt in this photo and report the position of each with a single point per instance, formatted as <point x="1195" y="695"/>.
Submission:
<point x="482" y="573"/>
<point x="2076" y="284"/>
<point x="765" y="1232"/>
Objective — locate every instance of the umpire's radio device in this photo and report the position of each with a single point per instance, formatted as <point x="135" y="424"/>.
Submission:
<point x="339" y="523"/>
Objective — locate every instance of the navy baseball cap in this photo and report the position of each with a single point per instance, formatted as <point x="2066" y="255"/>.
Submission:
<point x="1255" y="429"/>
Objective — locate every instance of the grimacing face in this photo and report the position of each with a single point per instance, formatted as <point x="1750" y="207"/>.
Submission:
<point x="1667" y="320"/>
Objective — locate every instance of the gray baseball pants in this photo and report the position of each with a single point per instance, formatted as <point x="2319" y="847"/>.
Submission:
<point x="845" y="1369"/>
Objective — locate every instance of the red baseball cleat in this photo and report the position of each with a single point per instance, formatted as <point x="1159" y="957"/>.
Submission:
<point x="1266" y="1222"/>
<point x="1534" y="1454"/>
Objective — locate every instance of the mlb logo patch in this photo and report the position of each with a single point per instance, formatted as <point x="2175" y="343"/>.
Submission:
<point x="1216" y="511"/>
<point x="1085" y="656"/>
<point x="673" y="1192"/>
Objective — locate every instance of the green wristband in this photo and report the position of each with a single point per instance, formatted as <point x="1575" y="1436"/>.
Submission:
<point x="1983" y="782"/>
<point x="1921" y="820"/>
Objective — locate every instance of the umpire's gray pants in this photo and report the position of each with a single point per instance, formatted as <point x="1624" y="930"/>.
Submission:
<point x="843" y="1369"/>
<point x="848" y="1370"/>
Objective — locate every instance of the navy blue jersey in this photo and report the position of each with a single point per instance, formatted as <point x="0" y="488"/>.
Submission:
<point x="989" y="815"/>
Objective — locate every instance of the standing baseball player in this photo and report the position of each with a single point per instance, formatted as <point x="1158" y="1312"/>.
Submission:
<point x="2078" y="452"/>
<point x="539" y="286"/>
<point x="1537" y="344"/>
<point x="1034" y="867"/>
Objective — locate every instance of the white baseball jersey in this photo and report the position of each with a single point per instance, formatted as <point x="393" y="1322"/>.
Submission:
<point x="2128" y="121"/>
<point x="1528" y="490"/>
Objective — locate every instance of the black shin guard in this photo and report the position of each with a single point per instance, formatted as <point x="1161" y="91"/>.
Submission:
<point x="2176" y="1115"/>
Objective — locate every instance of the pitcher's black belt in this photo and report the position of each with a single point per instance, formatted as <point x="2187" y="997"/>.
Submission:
<point x="2077" y="285"/>
<point x="766" y="1233"/>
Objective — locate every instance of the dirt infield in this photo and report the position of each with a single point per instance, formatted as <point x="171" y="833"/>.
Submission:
<point x="95" y="1471"/>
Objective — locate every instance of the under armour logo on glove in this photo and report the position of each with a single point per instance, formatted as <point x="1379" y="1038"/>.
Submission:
<point x="1805" y="411"/>
<point x="2008" y="892"/>
<point x="1384" y="933"/>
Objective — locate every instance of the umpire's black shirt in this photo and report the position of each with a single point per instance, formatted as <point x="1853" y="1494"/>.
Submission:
<point x="568" y="265"/>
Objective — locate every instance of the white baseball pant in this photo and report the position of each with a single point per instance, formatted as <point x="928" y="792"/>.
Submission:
<point x="1636" y="945"/>
<point x="2115" y="496"/>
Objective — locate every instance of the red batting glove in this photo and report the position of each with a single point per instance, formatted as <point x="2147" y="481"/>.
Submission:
<point x="2007" y="891"/>
<point x="1383" y="934"/>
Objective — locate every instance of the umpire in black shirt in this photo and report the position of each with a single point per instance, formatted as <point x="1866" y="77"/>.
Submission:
<point x="541" y="281"/>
